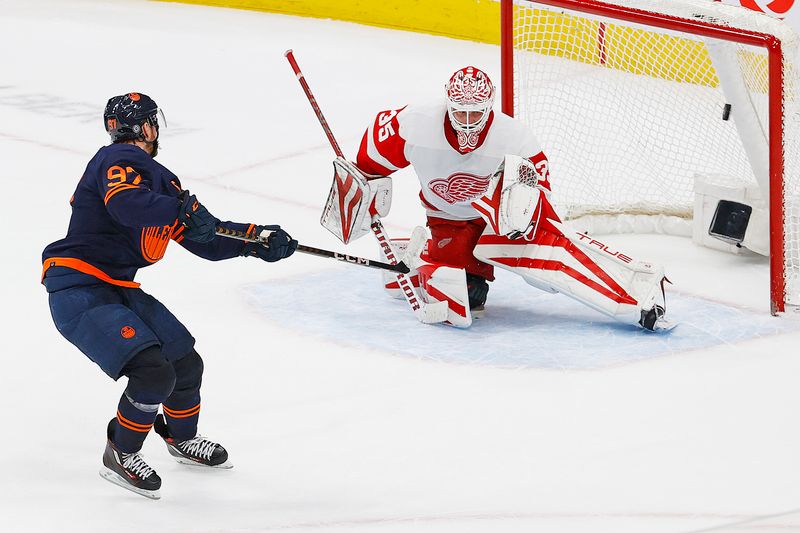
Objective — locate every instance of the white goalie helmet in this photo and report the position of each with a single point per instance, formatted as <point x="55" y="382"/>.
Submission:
<point x="470" y="95"/>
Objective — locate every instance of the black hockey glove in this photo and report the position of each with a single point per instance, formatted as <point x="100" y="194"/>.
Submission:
<point x="280" y="244"/>
<point x="201" y="226"/>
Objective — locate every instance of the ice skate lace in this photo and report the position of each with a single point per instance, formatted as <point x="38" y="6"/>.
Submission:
<point x="199" y="446"/>
<point x="134" y="463"/>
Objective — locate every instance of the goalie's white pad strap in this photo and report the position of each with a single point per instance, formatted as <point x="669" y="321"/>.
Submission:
<point x="380" y="190"/>
<point x="581" y="267"/>
<point x="353" y="200"/>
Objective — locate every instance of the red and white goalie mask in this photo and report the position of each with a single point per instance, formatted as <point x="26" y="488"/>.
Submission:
<point x="470" y="95"/>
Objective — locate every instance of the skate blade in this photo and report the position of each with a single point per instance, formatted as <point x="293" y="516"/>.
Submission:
<point x="112" y="477"/>
<point x="663" y="325"/>
<point x="227" y="465"/>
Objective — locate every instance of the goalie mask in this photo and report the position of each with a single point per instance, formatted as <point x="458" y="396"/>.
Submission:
<point x="470" y="95"/>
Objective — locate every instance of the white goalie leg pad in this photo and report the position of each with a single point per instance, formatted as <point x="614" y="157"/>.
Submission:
<point x="642" y="281"/>
<point x="437" y="285"/>
<point x="581" y="267"/>
<point x="426" y="311"/>
<point x="353" y="200"/>
<point x="440" y="283"/>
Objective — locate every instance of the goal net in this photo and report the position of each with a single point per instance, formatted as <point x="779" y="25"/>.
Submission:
<point x="633" y="100"/>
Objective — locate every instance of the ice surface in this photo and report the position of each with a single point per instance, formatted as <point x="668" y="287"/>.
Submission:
<point x="523" y="327"/>
<point x="523" y="423"/>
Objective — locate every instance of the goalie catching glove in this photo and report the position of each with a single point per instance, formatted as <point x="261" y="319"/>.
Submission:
<point x="512" y="202"/>
<point x="353" y="200"/>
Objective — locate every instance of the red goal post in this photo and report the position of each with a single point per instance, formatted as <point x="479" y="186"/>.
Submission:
<point x="546" y="29"/>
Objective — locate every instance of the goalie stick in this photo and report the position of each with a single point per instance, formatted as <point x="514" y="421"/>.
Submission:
<point x="425" y="312"/>
<point x="400" y="267"/>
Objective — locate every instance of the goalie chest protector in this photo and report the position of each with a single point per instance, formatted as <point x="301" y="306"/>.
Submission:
<point x="449" y="180"/>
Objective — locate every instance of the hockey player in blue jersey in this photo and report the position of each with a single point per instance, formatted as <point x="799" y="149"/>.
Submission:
<point x="125" y="210"/>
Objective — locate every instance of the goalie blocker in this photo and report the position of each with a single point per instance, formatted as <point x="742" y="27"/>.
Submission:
<point x="352" y="201"/>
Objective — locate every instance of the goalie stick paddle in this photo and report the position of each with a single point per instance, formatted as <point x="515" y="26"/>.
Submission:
<point x="351" y="259"/>
<point x="425" y="312"/>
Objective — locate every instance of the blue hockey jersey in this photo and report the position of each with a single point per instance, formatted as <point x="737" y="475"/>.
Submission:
<point x="124" y="214"/>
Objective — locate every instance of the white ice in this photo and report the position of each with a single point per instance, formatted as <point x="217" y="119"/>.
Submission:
<point x="340" y="411"/>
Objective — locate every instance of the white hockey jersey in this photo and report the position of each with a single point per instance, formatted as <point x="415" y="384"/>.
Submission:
<point x="450" y="177"/>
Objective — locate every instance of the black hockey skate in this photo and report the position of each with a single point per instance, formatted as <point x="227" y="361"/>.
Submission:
<point x="197" y="451"/>
<point x="128" y="470"/>
<point x="651" y="317"/>
<point x="654" y="310"/>
<point x="477" y="290"/>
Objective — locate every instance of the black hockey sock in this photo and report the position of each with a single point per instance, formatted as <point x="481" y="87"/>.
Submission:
<point x="134" y="421"/>
<point x="182" y="408"/>
<point x="150" y="381"/>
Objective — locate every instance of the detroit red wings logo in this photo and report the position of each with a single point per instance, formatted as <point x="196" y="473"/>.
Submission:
<point x="469" y="86"/>
<point x="459" y="187"/>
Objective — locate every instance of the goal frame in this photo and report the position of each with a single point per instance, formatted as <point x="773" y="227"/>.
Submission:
<point x="774" y="49"/>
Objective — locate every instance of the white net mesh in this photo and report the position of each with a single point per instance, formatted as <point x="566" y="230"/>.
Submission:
<point x="629" y="114"/>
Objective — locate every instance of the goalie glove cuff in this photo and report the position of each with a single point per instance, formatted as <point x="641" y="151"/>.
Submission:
<point x="380" y="190"/>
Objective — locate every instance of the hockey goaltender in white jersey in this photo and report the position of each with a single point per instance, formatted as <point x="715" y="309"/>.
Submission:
<point x="485" y="184"/>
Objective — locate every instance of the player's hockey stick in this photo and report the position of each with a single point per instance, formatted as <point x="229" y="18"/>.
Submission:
<point x="427" y="313"/>
<point x="400" y="267"/>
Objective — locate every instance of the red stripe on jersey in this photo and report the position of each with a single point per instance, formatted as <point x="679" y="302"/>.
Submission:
<point x="387" y="139"/>
<point x="542" y="166"/>
<point x="365" y="163"/>
<point x="426" y="204"/>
